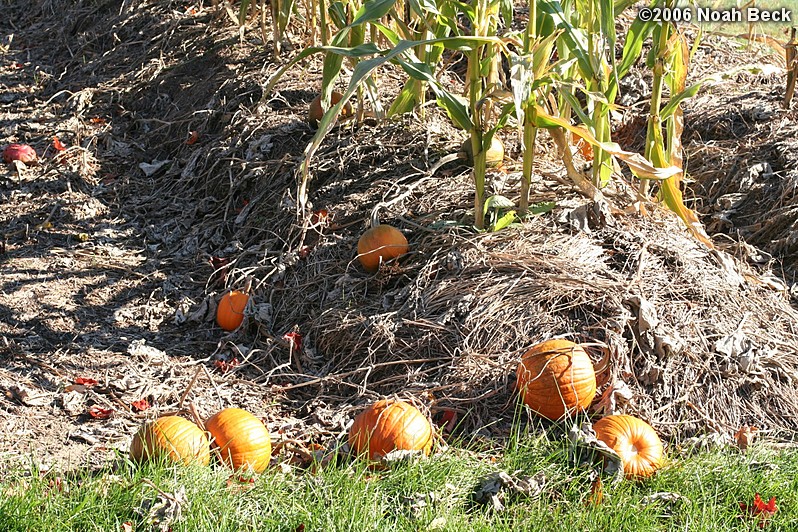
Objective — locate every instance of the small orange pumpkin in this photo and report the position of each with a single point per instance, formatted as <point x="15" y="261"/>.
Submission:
<point x="635" y="441"/>
<point x="230" y="310"/>
<point x="379" y="244"/>
<point x="493" y="157"/>
<point x="315" y="112"/>
<point x="242" y="439"/>
<point x="173" y="438"/>
<point x="389" y="425"/>
<point x="556" y="378"/>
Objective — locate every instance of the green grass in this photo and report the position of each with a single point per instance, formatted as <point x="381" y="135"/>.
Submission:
<point x="779" y="30"/>
<point x="348" y="496"/>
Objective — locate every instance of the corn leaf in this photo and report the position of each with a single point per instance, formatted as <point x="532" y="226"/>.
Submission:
<point x="456" y="106"/>
<point x="670" y="189"/>
<point x="638" y="164"/>
<point x="372" y="10"/>
<point x="575" y="38"/>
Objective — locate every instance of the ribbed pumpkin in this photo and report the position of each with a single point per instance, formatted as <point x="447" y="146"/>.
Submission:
<point x="635" y="441"/>
<point x="389" y="425"/>
<point x="230" y="310"/>
<point x="315" y="112"/>
<point x="242" y="439"/>
<point x="556" y="378"/>
<point x="173" y="438"/>
<point x="381" y="242"/>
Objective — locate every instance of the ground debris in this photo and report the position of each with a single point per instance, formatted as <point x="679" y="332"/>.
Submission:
<point x="498" y="486"/>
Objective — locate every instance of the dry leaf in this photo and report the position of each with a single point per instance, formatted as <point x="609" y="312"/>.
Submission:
<point x="58" y="145"/>
<point x="98" y="412"/>
<point x="759" y="510"/>
<point x="596" y="490"/>
<point x="140" y="405"/>
<point x="745" y="436"/>
<point x="495" y="488"/>
<point x="164" y="510"/>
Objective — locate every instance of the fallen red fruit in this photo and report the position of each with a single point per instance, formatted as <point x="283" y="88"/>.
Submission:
<point x="19" y="152"/>
<point x="58" y="145"/>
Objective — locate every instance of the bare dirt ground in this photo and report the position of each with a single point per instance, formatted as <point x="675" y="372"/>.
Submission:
<point x="176" y="182"/>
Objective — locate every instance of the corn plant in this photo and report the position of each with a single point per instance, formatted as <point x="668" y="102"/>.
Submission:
<point x="281" y="15"/>
<point x="792" y="68"/>
<point x="669" y="59"/>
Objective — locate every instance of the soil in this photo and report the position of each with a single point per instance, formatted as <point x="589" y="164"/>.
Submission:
<point x="173" y="179"/>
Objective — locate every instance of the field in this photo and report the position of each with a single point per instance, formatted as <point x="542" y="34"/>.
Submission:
<point x="624" y="188"/>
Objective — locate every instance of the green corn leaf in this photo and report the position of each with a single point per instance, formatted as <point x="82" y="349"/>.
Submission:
<point x="456" y="106"/>
<point x="498" y="201"/>
<point x="423" y="8"/>
<point x="575" y="39"/>
<point x="542" y="207"/>
<point x="507" y="11"/>
<point x="623" y="5"/>
<point x="466" y="9"/>
<point x="372" y="10"/>
<point x="405" y="101"/>
<point x="242" y="12"/>
<point x="505" y="221"/>
<point x="286" y="8"/>
<point x="337" y="14"/>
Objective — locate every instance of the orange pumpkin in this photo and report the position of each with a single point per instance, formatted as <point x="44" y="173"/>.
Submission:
<point x="389" y="425"/>
<point x="173" y="438"/>
<point x="635" y="441"/>
<point x="230" y="311"/>
<point x="242" y="439"/>
<point x="556" y="378"/>
<point x="379" y="244"/>
<point x="315" y="112"/>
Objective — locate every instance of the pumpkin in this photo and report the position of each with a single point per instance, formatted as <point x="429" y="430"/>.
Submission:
<point x="315" y="112"/>
<point x="556" y="378"/>
<point x="172" y="438"/>
<point x="634" y="440"/>
<point x="494" y="155"/>
<point x="242" y="439"/>
<point x="389" y="425"/>
<point x="230" y="310"/>
<point x="380" y="243"/>
<point x="19" y="152"/>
